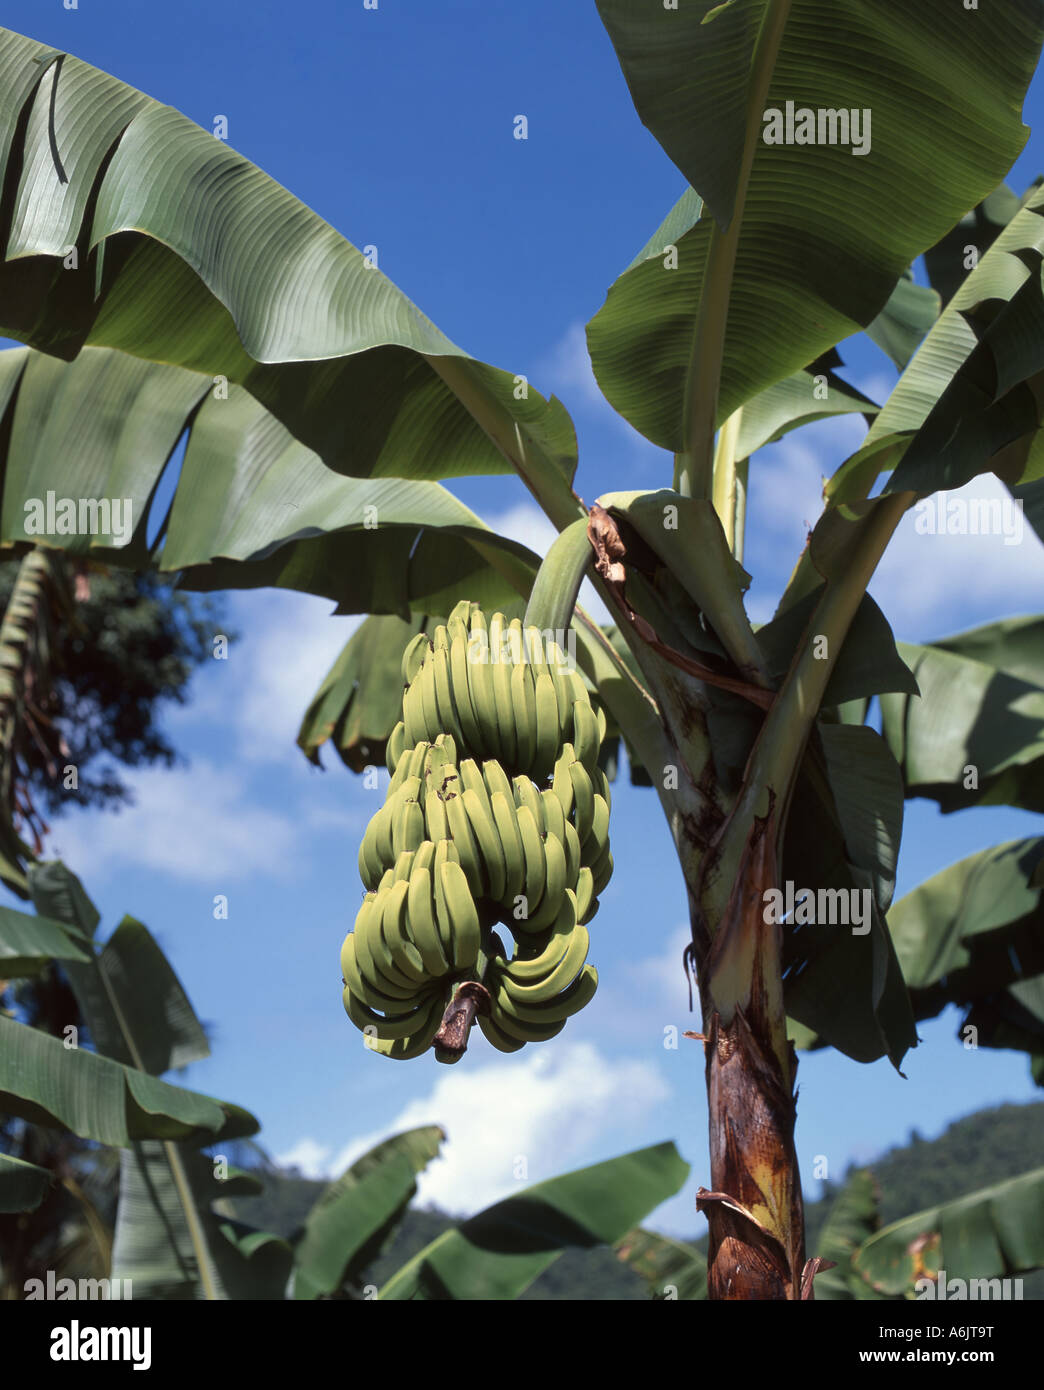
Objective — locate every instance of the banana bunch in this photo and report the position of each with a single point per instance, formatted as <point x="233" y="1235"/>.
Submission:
<point x="497" y="812"/>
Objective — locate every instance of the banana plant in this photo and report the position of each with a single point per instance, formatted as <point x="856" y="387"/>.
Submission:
<point x="141" y="295"/>
<point x="176" y="1233"/>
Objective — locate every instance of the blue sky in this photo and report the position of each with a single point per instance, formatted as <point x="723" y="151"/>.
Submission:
<point x="396" y="126"/>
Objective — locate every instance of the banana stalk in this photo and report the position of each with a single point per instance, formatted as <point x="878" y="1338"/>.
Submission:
<point x="754" y="1207"/>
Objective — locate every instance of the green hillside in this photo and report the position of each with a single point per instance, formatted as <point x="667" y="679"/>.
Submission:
<point x="973" y="1152"/>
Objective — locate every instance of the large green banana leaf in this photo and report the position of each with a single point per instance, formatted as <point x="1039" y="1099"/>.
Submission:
<point x="219" y="1259"/>
<point x="972" y="936"/>
<point x="23" y="1186"/>
<point x="498" y="1253"/>
<point x="797" y="400"/>
<point x="975" y="734"/>
<point x="45" y="1082"/>
<point x="967" y="403"/>
<point x="29" y="944"/>
<point x="357" y="1215"/>
<point x="186" y="253"/>
<point x="819" y="245"/>
<point x="132" y="1001"/>
<point x="950" y="259"/>
<point x="990" y="1234"/>
<point x="253" y="507"/>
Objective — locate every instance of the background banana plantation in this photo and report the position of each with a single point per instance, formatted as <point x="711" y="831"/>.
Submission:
<point x="277" y="414"/>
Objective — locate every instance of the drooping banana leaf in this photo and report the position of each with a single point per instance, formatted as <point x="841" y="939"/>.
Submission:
<point x="128" y="226"/>
<point x="360" y="699"/>
<point x="973" y="936"/>
<point x="975" y="734"/>
<point x="253" y="507"/>
<point x="967" y="403"/>
<point x="960" y="250"/>
<point x="355" y="1217"/>
<point x="133" y="1002"/>
<point x="974" y="929"/>
<point x="498" y="1253"/>
<point x="672" y="1269"/>
<point x="991" y="1234"/>
<point x="799" y="245"/>
<point x="1013" y="1019"/>
<point x="852" y="1220"/>
<point x="799" y="399"/>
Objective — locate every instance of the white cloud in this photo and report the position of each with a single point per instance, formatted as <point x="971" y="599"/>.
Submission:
<point x="549" y="1110"/>
<point x="310" y="1158"/>
<point x="198" y="823"/>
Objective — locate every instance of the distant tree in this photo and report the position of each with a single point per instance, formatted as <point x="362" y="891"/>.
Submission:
<point x="89" y="657"/>
<point x="130" y="648"/>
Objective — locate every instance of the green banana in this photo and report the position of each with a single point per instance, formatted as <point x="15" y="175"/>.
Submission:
<point x="536" y="962"/>
<point x="527" y="794"/>
<point x="502" y="1041"/>
<point x="558" y="979"/>
<point x="557" y="665"/>
<point x="499" y="653"/>
<point x="414" y="656"/>
<point x="393" y="749"/>
<point x="429" y="705"/>
<point x="447" y="708"/>
<point x="561" y="783"/>
<point x="463" y="916"/>
<point x="585" y="895"/>
<point x="597" y="839"/>
<point x="483" y="700"/>
<point x="413" y="710"/>
<point x="463" y="837"/>
<point x="536" y="866"/>
<point x="397" y="1026"/>
<point x="418" y="1042"/>
<point x="523" y="708"/>
<point x="458" y="656"/>
<point x="497" y="780"/>
<point x="485" y="831"/>
<point x="547" y="728"/>
<point x="555" y="869"/>
<point x="511" y="844"/>
<point x="570" y="1001"/>
<point x="519" y="1032"/>
<point x="583" y="796"/>
<point x="585" y="735"/>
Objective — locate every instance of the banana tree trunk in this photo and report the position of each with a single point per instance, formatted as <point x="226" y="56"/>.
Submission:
<point x="754" y="1208"/>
